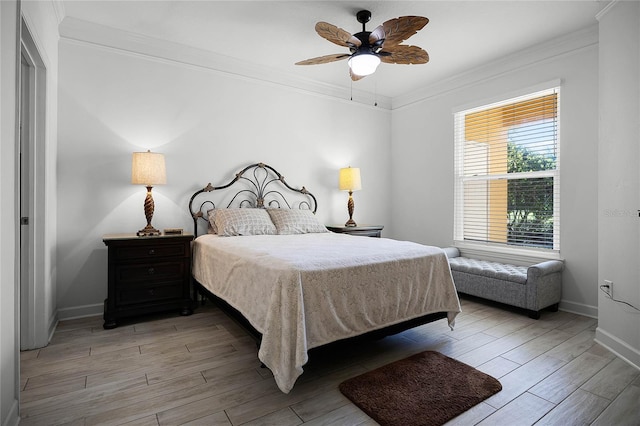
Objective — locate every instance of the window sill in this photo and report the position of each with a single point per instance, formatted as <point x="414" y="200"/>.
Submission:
<point x="499" y="253"/>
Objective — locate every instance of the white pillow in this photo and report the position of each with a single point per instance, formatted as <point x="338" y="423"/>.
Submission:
<point x="247" y="221"/>
<point x="295" y="221"/>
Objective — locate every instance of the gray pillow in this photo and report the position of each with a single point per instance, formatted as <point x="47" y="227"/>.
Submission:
<point x="248" y="221"/>
<point x="295" y="221"/>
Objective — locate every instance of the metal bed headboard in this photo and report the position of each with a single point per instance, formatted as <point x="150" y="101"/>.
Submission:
<point x="259" y="186"/>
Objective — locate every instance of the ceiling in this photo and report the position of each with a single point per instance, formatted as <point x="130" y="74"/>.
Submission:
<point x="461" y="35"/>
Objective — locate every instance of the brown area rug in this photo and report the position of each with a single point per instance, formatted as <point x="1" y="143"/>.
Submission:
<point x="425" y="389"/>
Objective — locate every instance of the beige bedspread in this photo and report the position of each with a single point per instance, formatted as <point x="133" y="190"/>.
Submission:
<point x="303" y="291"/>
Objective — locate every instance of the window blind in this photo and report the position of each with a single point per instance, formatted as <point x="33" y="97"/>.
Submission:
<point x="507" y="172"/>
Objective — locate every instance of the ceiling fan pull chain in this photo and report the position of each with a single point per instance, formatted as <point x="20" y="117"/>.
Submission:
<point x="375" y="90"/>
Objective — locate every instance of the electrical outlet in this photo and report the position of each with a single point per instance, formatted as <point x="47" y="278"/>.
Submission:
<point x="608" y="288"/>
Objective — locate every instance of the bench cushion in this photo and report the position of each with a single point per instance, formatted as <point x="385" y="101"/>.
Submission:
<point x="502" y="271"/>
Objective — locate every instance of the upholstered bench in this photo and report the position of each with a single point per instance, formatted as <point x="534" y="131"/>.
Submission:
<point x="533" y="288"/>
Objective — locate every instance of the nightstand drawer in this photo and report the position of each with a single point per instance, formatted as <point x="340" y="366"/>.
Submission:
<point x="128" y="295"/>
<point x="150" y="271"/>
<point x="150" y="252"/>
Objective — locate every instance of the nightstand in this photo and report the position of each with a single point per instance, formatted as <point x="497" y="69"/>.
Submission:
<point x="364" y="230"/>
<point x="147" y="275"/>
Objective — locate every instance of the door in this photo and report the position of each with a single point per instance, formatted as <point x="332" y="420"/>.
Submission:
<point x="25" y="267"/>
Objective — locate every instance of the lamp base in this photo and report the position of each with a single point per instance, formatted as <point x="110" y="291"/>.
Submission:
<point x="351" y="222"/>
<point x="149" y="207"/>
<point x="350" y="207"/>
<point x="148" y="231"/>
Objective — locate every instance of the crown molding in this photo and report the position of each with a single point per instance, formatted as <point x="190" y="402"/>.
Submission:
<point x="606" y="9"/>
<point x="58" y="8"/>
<point x="77" y="30"/>
<point x="564" y="45"/>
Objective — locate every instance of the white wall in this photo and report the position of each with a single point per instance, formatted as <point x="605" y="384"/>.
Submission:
<point x="422" y="153"/>
<point x="209" y="124"/>
<point x="9" y="345"/>
<point x="619" y="179"/>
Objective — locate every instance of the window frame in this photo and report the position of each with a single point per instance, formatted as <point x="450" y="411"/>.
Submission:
<point x="515" y="252"/>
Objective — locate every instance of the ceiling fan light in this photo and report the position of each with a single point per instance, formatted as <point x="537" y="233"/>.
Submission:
<point x="364" y="64"/>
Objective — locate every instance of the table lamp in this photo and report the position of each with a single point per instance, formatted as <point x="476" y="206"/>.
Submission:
<point x="350" y="181"/>
<point x="148" y="169"/>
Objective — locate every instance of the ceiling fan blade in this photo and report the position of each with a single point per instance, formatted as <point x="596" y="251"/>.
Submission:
<point x="399" y="29"/>
<point x="403" y="54"/>
<point x="336" y="35"/>
<point x="377" y="34"/>
<point x="355" y="77"/>
<point x="324" y="59"/>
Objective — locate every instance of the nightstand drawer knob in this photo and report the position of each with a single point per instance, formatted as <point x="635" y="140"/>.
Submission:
<point x="152" y="252"/>
<point x="151" y="271"/>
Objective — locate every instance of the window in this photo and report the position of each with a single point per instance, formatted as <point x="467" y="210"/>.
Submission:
<point x="507" y="173"/>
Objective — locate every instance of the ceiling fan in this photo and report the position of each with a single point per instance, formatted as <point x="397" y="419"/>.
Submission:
<point x="368" y="49"/>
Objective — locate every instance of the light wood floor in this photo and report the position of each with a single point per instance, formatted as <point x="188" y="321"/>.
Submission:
<point x="203" y="370"/>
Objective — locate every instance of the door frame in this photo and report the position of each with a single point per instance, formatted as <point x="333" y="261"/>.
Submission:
<point x="34" y="331"/>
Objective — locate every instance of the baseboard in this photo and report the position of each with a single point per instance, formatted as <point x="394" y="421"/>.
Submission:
<point x="579" y="308"/>
<point x="53" y="324"/>
<point x="620" y="348"/>
<point x="12" y="419"/>
<point x="80" y="311"/>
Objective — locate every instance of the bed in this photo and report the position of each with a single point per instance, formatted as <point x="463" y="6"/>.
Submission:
<point x="263" y="256"/>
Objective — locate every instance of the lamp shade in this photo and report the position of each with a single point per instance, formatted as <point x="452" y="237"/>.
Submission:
<point x="147" y="168"/>
<point x="364" y="64"/>
<point x="350" y="179"/>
